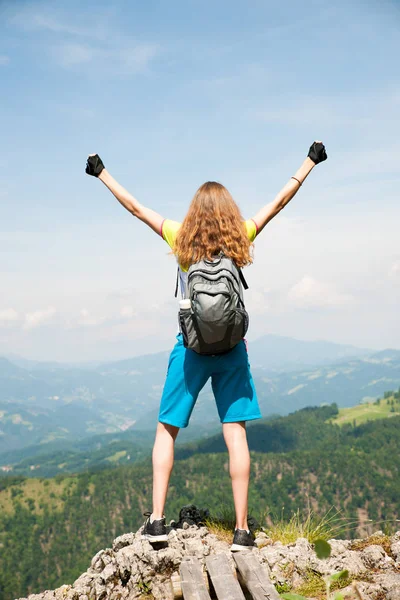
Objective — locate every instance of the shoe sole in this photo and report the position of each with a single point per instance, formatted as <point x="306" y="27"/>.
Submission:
<point x="238" y="548"/>
<point x="155" y="538"/>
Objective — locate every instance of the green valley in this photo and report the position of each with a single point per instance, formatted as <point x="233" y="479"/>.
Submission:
<point x="388" y="406"/>
<point x="50" y="528"/>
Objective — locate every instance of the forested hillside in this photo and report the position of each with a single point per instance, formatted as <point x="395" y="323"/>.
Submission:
<point x="51" y="528"/>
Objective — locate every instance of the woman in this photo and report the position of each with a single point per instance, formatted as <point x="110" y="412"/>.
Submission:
<point x="213" y="223"/>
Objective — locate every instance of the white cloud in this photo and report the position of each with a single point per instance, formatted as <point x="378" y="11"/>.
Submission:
<point x="44" y="18"/>
<point x="257" y="302"/>
<point x="8" y="315"/>
<point x="310" y="293"/>
<point x="87" y="319"/>
<point x="74" y="54"/>
<point x="39" y="317"/>
<point x="394" y="271"/>
<point x="127" y="312"/>
<point x="138" y="57"/>
<point x="118" y="58"/>
<point x="375" y="113"/>
<point x="4" y="60"/>
<point x="85" y="40"/>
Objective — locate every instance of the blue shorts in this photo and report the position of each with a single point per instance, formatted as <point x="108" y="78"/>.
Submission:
<point x="231" y="382"/>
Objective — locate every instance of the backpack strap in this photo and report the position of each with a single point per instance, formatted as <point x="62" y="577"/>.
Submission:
<point x="177" y="282"/>
<point x="242" y="279"/>
<point x="241" y="276"/>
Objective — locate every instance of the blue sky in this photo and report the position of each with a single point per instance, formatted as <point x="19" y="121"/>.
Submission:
<point x="171" y="95"/>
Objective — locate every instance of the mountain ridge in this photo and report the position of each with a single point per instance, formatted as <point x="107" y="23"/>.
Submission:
<point x="346" y="350"/>
<point x="125" y="394"/>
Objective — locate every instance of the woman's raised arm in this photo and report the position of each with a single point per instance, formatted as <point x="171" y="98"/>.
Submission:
<point x="316" y="155"/>
<point x="96" y="168"/>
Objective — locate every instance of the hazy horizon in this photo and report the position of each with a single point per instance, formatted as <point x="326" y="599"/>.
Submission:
<point x="89" y="361"/>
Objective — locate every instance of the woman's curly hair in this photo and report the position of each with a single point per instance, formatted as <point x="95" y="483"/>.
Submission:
<point x="213" y="224"/>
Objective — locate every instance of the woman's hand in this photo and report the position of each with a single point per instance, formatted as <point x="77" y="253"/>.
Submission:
<point x="94" y="165"/>
<point x="317" y="152"/>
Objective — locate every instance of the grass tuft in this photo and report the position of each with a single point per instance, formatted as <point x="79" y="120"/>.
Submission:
<point x="374" y="540"/>
<point x="314" y="585"/>
<point x="310" y="526"/>
<point x="221" y="532"/>
<point x="145" y="589"/>
<point x="222" y="524"/>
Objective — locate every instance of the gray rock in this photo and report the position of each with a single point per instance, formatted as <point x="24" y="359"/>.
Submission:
<point x="121" y="572"/>
<point x="349" y="560"/>
<point x="110" y="573"/>
<point x="395" y="548"/>
<point x="396" y="537"/>
<point x="101" y="559"/>
<point x="97" y="563"/>
<point x="300" y="553"/>
<point x="123" y="540"/>
<point x="262" y="540"/>
<point x="61" y="592"/>
<point x="85" y="583"/>
<point x="46" y="595"/>
<point x="375" y="557"/>
<point x="368" y="591"/>
<point x="272" y="555"/>
<point x="162" y="590"/>
<point x="262" y="534"/>
<point x="100" y="590"/>
<point x="296" y="579"/>
<point x="203" y="532"/>
<point x="195" y="548"/>
<point x="390" y="584"/>
<point x="339" y="546"/>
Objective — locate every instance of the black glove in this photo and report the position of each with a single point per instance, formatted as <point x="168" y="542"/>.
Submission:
<point x="317" y="152"/>
<point x="94" y="165"/>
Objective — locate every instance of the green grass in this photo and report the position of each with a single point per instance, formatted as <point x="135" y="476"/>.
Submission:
<point x="115" y="457"/>
<point x="283" y="529"/>
<point x="310" y="526"/>
<point x="222" y="523"/>
<point x="41" y="492"/>
<point x="314" y="585"/>
<point x="369" y="411"/>
<point x="377" y="540"/>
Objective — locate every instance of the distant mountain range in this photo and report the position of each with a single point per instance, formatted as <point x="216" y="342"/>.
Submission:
<point x="48" y="403"/>
<point x="281" y="353"/>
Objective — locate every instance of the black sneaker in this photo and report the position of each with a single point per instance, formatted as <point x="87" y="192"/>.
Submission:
<point x="154" y="531"/>
<point x="242" y="540"/>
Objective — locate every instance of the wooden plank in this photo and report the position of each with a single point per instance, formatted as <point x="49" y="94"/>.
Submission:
<point x="225" y="585"/>
<point x="176" y="586"/>
<point x="255" y="577"/>
<point x="192" y="580"/>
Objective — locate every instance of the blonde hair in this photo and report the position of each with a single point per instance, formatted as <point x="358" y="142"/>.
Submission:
<point x="213" y="224"/>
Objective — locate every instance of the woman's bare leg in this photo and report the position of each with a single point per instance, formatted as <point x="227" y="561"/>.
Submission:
<point x="163" y="460"/>
<point x="239" y="468"/>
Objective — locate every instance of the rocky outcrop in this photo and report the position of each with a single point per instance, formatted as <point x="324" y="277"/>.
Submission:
<point x="376" y="572"/>
<point x="132" y="567"/>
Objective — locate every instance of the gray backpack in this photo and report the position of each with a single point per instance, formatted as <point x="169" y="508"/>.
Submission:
<point x="217" y="319"/>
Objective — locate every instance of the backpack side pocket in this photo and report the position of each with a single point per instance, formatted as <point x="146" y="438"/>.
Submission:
<point x="186" y="324"/>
